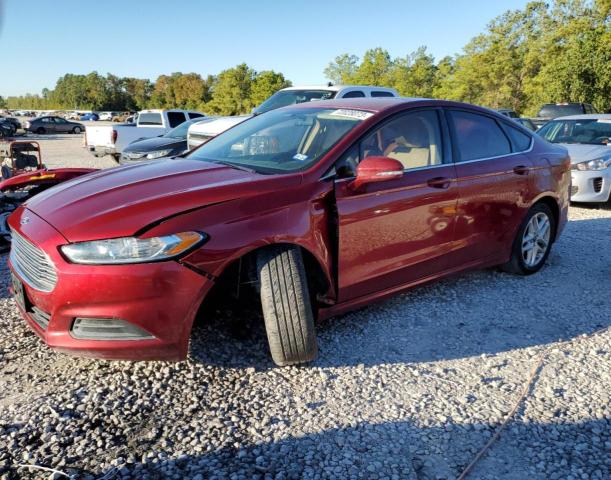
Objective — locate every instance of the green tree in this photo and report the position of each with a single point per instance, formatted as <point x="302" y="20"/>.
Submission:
<point x="231" y="93"/>
<point x="343" y="69"/>
<point x="3" y="103"/>
<point x="265" y="84"/>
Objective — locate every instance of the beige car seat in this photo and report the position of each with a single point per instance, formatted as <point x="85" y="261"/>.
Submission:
<point x="413" y="147"/>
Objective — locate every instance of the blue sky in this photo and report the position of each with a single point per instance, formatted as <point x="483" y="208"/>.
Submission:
<point x="41" y="40"/>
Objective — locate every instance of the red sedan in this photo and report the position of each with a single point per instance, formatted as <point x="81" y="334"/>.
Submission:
<point x="323" y="207"/>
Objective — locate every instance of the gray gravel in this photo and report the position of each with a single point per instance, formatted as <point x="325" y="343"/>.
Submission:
<point x="407" y="389"/>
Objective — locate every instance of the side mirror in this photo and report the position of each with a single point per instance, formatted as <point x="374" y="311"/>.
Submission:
<point x="377" y="169"/>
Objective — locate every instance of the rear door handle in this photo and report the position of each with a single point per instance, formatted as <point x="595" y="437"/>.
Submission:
<point x="439" y="182"/>
<point x="521" y="170"/>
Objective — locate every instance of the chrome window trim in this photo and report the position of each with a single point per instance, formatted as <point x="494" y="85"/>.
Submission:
<point x="532" y="145"/>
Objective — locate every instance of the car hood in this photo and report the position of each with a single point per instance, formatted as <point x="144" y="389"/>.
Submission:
<point x="584" y="153"/>
<point x="155" y="143"/>
<point x="124" y="200"/>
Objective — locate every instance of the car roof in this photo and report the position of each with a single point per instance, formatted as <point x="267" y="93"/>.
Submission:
<point x="337" y="88"/>
<point x="588" y="116"/>
<point x="376" y="104"/>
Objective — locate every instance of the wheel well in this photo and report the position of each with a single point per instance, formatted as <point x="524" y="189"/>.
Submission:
<point x="553" y="206"/>
<point x="237" y="280"/>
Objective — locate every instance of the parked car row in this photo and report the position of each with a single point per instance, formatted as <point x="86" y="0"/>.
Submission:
<point x="110" y="140"/>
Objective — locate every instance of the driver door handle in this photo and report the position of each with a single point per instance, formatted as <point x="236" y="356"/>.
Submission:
<point x="439" y="182"/>
<point x="521" y="170"/>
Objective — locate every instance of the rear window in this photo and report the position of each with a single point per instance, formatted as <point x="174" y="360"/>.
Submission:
<point x="381" y="93"/>
<point x="553" y="111"/>
<point x="519" y="139"/>
<point x="150" y="119"/>
<point x="478" y="136"/>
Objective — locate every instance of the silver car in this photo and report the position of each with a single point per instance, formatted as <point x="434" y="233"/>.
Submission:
<point x="588" y="140"/>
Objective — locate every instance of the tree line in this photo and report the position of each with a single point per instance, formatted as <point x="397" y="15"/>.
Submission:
<point x="543" y="53"/>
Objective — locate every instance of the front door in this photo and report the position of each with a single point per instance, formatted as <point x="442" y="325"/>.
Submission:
<point x="396" y="232"/>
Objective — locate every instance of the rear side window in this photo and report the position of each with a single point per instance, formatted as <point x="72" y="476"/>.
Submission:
<point x="380" y="93"/>
<point x="478" y="136"/>
<point x="195" y="115"/>
<point x="354" y="94"/>
<point x="519" y="139"/>
<point x="176" y="118"/>
<point x="150" y="119"/>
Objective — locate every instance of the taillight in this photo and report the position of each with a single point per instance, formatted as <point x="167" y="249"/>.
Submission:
<point x="115" y="134"/>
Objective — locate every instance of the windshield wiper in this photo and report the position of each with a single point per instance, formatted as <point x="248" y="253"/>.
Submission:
<point x="236" y="166"/>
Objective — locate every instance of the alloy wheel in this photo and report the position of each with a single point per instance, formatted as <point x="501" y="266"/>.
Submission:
<point x="536" y="238"/>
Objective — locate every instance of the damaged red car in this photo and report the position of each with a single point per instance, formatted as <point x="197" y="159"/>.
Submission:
<point x="322" y="207"/>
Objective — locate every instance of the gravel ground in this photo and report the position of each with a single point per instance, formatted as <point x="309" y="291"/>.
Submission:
<point x="411" y="388"/>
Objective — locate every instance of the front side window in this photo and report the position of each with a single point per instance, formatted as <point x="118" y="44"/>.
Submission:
<point x="284" y="98"/>
<point x="414" y="139"/>
<point x="478" y="136"/>
<point x="354" y="94"/>
<point x="587" y="131"/>
<point x="281" y="141"/>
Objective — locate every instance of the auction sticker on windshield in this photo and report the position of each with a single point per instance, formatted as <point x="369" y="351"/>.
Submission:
<point x="356" y="114"/>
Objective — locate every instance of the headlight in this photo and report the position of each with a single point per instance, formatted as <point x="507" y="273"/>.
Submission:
<point x="131" y="249"/>
<point x="598" y="164"/>
<point x="158" y="154"/>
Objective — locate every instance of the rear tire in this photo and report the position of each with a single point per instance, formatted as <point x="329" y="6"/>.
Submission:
<point x="538" y="230"/>
<point x="287" y="310"/>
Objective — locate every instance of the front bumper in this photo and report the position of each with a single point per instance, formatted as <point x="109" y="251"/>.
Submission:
<point x="100" y="151"/>
<point x="591" y="185"/>
<point x="160" y="299"/>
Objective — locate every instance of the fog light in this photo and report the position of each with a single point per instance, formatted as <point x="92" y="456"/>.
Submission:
<point x="107" y="329"/>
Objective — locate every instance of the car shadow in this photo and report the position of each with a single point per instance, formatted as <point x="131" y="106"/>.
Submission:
<point x="398" y="449"/>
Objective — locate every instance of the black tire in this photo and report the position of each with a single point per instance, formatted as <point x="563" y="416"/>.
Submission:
<point x="76" y="130"/>
<point x="41" y="131"/>
<point x="287" y="310"/>
<point x="517" y="264"/>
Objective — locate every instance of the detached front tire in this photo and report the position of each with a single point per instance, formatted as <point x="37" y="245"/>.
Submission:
<point x="287" y="310"/>
<point x="533" y="241"/>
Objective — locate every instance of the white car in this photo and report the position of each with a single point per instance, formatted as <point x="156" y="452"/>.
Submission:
<point x="201" y="133"/>
<point x="106" y="116"/>
<point x="588" y="140"/>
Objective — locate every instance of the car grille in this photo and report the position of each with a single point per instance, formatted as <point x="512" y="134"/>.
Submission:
<point x="598" y="184"/>
<point x="32" y="264"/>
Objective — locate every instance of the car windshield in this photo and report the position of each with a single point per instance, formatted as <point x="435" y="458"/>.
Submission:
<point x="590" y="131"/>
<point x="181" y="130"/>
<point x="284" y="98"/>
<point x="281" y="141"/>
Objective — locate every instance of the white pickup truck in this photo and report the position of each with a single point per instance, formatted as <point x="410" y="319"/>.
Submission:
<point x="202" y="132"/>
<point x="103" y="140"/>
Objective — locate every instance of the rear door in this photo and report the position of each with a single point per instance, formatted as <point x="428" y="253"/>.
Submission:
<point x="396" y="232"/>
<point x="494" y="179"/>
